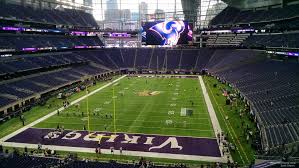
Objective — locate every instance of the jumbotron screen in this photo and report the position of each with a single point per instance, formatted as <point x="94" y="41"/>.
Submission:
<point x="166" y="33"/>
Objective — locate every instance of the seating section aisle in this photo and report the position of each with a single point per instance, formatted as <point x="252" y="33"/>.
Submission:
<point x="9" y="161"/>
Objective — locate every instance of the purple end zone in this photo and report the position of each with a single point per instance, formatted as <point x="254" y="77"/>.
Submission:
<point x="129" y="142"/>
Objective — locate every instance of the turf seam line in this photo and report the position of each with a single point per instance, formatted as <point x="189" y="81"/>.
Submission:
<point x="135" y="126"/>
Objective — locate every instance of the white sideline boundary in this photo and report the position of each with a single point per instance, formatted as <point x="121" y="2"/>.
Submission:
<point x="55" y="112"/>
<point x="212" y="114"/>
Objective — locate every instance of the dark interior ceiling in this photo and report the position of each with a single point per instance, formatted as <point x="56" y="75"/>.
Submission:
<point x="253" y="3"/>
<point x="235" y="3"/>
<point x="191" y="5"/>
<point x="190" y="8"/>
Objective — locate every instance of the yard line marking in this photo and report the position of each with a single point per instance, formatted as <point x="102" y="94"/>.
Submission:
<point x="55" y="112"/>
<point x="50" y="122"/>
<point x="97" y="118"/>
<point x="140" y="114"/>
<point x="134" y="104"/>
<point x="136" y="126"/>
<point x="198" y="114"/>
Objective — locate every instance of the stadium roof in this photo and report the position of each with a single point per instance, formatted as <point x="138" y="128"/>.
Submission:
<point x="251" y="3"/>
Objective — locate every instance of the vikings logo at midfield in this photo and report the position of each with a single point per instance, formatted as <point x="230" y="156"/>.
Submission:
<point x="169" y="31"/>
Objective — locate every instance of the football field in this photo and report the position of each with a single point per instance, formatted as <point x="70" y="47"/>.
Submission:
<point x="159" y="117"/>
<point x="142" y="105"/>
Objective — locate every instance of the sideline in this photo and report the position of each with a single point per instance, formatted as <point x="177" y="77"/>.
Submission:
<point x="213" y="117"/>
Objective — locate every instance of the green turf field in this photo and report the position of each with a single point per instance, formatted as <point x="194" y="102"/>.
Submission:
<point x="136" y="111"/>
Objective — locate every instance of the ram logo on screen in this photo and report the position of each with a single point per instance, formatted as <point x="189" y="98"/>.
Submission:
<point x="166" y="33"/>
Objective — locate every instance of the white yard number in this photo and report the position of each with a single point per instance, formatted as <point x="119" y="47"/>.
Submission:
<point x="97" y="109"/>
<point x="168" y="122"/>
<point x="170" y="112"/>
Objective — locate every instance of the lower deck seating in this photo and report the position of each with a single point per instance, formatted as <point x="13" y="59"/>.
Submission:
<point x="20" y="89"/>
<point x="10" y="160"/>
<point x="272" y="89"/>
